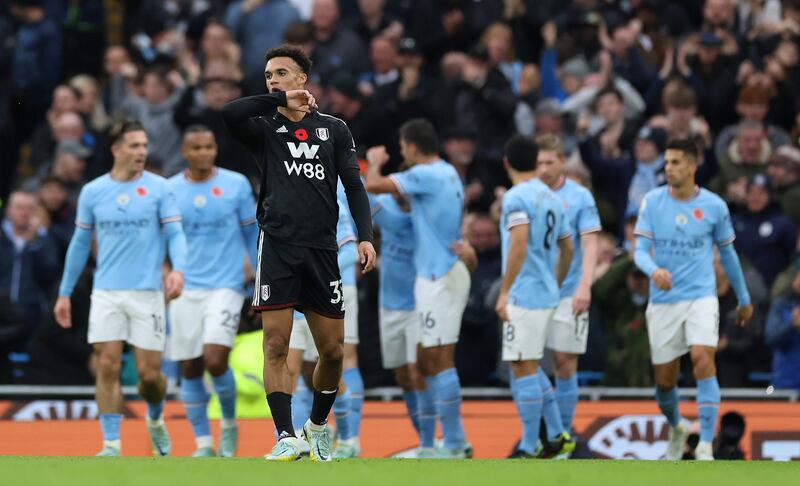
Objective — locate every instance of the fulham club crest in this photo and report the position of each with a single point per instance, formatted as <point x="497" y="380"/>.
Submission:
<point x="322" y="134"/>
<point x="265" y="292"/>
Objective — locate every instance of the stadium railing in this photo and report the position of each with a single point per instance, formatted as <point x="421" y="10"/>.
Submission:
<point x="395" y="393"/>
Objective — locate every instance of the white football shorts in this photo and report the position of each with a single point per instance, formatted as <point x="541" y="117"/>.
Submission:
<point x="202" y="316"/>
<point x="133" y="316"/>
<point x="673" y="328"/>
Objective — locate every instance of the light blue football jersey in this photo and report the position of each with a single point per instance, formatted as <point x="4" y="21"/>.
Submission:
<point x="437" y="206"/>
<point x="214" y="212"/>
<point x="397" y="272"/>
<point x="583" y="218"/>
<point x="345" y="232"/>
<point x="533" y="203"/>
<point x="127" y="218"/>
<point x="684" y="234"/>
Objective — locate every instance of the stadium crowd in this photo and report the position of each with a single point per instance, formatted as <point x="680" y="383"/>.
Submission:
<point x="615" y="80"/>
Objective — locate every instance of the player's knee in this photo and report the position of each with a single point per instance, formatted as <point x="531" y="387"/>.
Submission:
<point x="276" y="348"/>
<point x="216" y="364"/>
<point x="332" y="352"/>
<point x="149" y="374"/>
<point x="703" y="363"/>
<point x="666" y="381"/>
<point x="108" y="365"/>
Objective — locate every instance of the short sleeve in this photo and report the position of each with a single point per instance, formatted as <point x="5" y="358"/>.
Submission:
<point x="85" y="213"/>
<point x="168" y="211"/>
<point x="513" y="211"/>
<point x="723" y="229"/>
<point x="247" y="204"/>
<point x="564" y="229"/>
<point x="643" y="226"/>
<point x="588" y="218"/>
<point x="413" y="181"/>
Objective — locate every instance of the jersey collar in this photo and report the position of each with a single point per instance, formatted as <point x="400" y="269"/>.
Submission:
<point x="696" y="193"/>
<point x="214" y="173"/>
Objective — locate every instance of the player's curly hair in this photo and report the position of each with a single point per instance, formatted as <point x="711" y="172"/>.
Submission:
<point x="297" y="55"/>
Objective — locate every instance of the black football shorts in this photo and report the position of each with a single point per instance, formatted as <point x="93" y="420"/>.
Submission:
<point x="297" y="276"/>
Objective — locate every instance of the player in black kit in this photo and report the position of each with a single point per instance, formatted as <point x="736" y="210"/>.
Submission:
<point x="302" y="154"/>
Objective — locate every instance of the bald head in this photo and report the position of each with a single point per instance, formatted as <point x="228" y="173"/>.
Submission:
<point x="68" y="126"/>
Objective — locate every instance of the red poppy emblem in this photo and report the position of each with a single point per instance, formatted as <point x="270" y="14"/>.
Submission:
<point x="698" y="214"/>
<point x="141" y="191"/>
<point x="301" y="134"/>
<point x="216" y="191"/>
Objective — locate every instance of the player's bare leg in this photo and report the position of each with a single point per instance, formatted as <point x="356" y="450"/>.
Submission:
<point x="278" y="383"/>
<point x="666" y="376"/>
<point x="108" y="394"/>
<point x="328" y="336"/>
<point x="153" y="388"/>
<point x="708" y="398"/>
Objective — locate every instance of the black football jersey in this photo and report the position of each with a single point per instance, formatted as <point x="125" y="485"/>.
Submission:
<point x="301" y="163"/>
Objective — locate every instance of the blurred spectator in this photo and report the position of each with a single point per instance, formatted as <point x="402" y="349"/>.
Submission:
<point x="363" y="119"/>
<point x="548" y="119"/>
<point x="258" y="25"/>
<point x="59" y="211"/>
<point x="783" y="336"/>
<point x="487" y="104"/>
<point x="745" y="156"/>
<point x="784" y="174"/>
<point x="88" y="104"/>
<point x="201" y="103"/>
<point x="740" y="350"/>
<point x="498" y="40"/>
<point x="479" y="343"/>
<point x="622" y="181"/>
<point x="116" y="68"/>
<point x="375" y="22"/>
<point x="602" y="82"/>
<point x="612" y="132"/>
<point x="336" y="48"/>
<point x="28" y="260"/>
<point x="383" y="55"/>
<point x="65" y="100"/>
<point x="752" y="104"/>
<point x="37" y="63"/>
<point x="764" y="235"/>
<point x="217" y="45"/>
<point x="621" y="295"/>
<point x="154" y="108"/>
<point x="68" y="127"/>
<point x="479" y="180"/>
<point x="681" y="119"/>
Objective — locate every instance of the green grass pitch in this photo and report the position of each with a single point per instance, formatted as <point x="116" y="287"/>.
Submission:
<point x="88" y="471"/>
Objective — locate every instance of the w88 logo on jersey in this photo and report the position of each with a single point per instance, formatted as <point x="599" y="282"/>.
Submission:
<point x="312" y="170"/>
